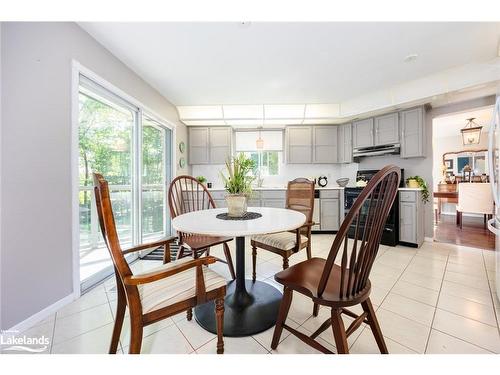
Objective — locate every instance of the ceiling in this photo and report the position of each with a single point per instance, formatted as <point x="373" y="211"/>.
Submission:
<point x="450" y="125"/>
<point x="290" y="63"/>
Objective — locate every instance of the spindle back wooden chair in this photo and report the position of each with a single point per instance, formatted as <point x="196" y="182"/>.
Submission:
<point x="345" y="283"/>
<point x="299" y="197"/>
<point x="187" y="194"/>
<point x="163" y="291"/>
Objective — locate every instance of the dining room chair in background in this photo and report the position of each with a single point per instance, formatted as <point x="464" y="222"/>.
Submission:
<point x="161" y="292"/>
<point x="474" y="198"/>
<point x="342" y="280"/>
<point x="299" y="197"/>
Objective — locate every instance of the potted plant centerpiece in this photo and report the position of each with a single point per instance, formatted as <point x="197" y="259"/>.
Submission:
<point x="238" y="184"/>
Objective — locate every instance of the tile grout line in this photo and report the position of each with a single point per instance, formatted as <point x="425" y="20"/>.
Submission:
<point x="183" y="335"/>
<point x="491" y="294"/>
<point x="383" y="299"/>
<point x="437" y="303"/>
<point x="114" y="317"/>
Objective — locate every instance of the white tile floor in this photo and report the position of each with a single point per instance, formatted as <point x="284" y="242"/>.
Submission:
<point x="437" y="299"/>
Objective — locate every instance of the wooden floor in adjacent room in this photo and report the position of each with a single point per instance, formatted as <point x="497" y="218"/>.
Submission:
<point x="473" y="233"/>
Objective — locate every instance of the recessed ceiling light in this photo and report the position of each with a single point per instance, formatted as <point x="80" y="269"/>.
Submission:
<point x="410" y="58"/>
<point x="245" y="24"/>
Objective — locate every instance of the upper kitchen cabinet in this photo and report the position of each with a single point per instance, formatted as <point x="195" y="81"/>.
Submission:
<point x="325" y="144"/>
<point x="412" y="133"/>
<point x="362" y="133"/>
<point x="344" y="136"/>
<point x="209" y="145"/>
<point x="198" y="145"/>
<point x="299" y="144"/>
<point x="386" y="129"/>
<point x="219" y="145"/>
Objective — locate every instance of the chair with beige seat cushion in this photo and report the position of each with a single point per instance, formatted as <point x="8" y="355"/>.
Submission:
<point x="299" y="197"/>
<point x="474" y="198"/>
<point x="167" y="290"/>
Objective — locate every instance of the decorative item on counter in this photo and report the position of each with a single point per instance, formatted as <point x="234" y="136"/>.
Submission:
<point x="202" y="180"/>
<point x="322" y="181"/>
<point x="238" y="184"/>
<point x="209" y="185"/>
<point x="418" y="182"/>
<point x="361" y="182"/>
<point x="342" y="182"/>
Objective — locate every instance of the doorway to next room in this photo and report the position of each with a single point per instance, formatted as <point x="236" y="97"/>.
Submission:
<point x="463" y="199"/>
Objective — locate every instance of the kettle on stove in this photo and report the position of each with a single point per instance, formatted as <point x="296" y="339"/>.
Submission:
<point x="322" y="181"/>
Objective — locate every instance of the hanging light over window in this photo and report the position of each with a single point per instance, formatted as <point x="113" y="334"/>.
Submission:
<point x="471" y="133"/>
<point x="260" y="142"/>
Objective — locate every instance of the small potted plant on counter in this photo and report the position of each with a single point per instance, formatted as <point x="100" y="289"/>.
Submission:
<point x="418" y="182"/>
<point x="202" y="180"/>
<point x="238" y="184"/>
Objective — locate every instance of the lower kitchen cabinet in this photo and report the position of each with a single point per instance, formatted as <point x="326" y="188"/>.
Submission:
<point x="328" y="208"/>
<point x="276" y="203"/>
<point x="329" y="214"/>
<point x="411" y="217"/>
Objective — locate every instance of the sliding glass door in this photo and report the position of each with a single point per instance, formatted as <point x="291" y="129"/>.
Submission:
<point x="132" y="151"/>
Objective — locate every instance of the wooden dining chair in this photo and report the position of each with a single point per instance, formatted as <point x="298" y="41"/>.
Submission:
<point x="339" y="285"/>
<point x="164" y="291"/>
<point x="299" y="197"/>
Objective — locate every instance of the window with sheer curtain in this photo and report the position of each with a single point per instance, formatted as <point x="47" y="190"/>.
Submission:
<point x="265" y="147"/>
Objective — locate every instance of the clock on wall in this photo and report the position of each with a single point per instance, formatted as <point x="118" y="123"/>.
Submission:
<point x="182" y="147"/>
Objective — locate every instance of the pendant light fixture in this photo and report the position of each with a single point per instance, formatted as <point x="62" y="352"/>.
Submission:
<point x="471" y="133"/>
<point x="260" y="142"/>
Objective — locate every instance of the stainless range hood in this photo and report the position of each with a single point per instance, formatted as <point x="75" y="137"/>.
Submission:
<point x="376" y="150"/>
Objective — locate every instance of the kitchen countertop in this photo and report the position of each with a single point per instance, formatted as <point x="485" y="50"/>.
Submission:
<point x="409" y="189"/>
<point x="281" y="188"/>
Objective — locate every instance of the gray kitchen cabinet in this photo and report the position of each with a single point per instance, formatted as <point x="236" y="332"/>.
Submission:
<point x="298" y="144"/>
<point x="325" y="144"/>
<point x="386" y="129"/>
<point x="411" y="217"/>
<point x="344" y="137"/>
<point x="362" y="133"/>
<point x="329" y="214"/>
<point x="220" y="145"/>
<point x="276" y="203"/>
<point x="412" y="133"/>
<point x="198" y="145"/>
<point x="209" y="145"/>
<point x="316" y="214"/>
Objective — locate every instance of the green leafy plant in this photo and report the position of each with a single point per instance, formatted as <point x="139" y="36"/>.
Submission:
<point x="423" y="186"/>
<point x="201" y="179"/>
<point x="239" y="179"/>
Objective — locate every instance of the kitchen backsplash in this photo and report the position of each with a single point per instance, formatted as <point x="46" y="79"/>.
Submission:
<point x="287" y="172"/>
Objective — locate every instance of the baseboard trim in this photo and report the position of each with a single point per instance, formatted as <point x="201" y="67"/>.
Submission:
<point x="428" y="239"/>
<point x="43" y="314"/>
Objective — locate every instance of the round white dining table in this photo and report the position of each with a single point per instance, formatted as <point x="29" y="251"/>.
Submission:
<point x="250" y="307"/>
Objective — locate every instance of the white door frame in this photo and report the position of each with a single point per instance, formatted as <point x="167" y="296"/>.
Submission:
<point x="76" y="70"/>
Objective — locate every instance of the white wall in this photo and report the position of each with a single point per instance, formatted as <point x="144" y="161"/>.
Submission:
<point x="36" y="259"/>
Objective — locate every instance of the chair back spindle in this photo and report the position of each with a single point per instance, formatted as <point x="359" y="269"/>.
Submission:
<point x="367" y="216"/>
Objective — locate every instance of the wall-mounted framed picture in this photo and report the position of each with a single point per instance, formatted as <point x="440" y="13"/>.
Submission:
<point x="448" y="163"/>
<point x="182" y="147"/>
